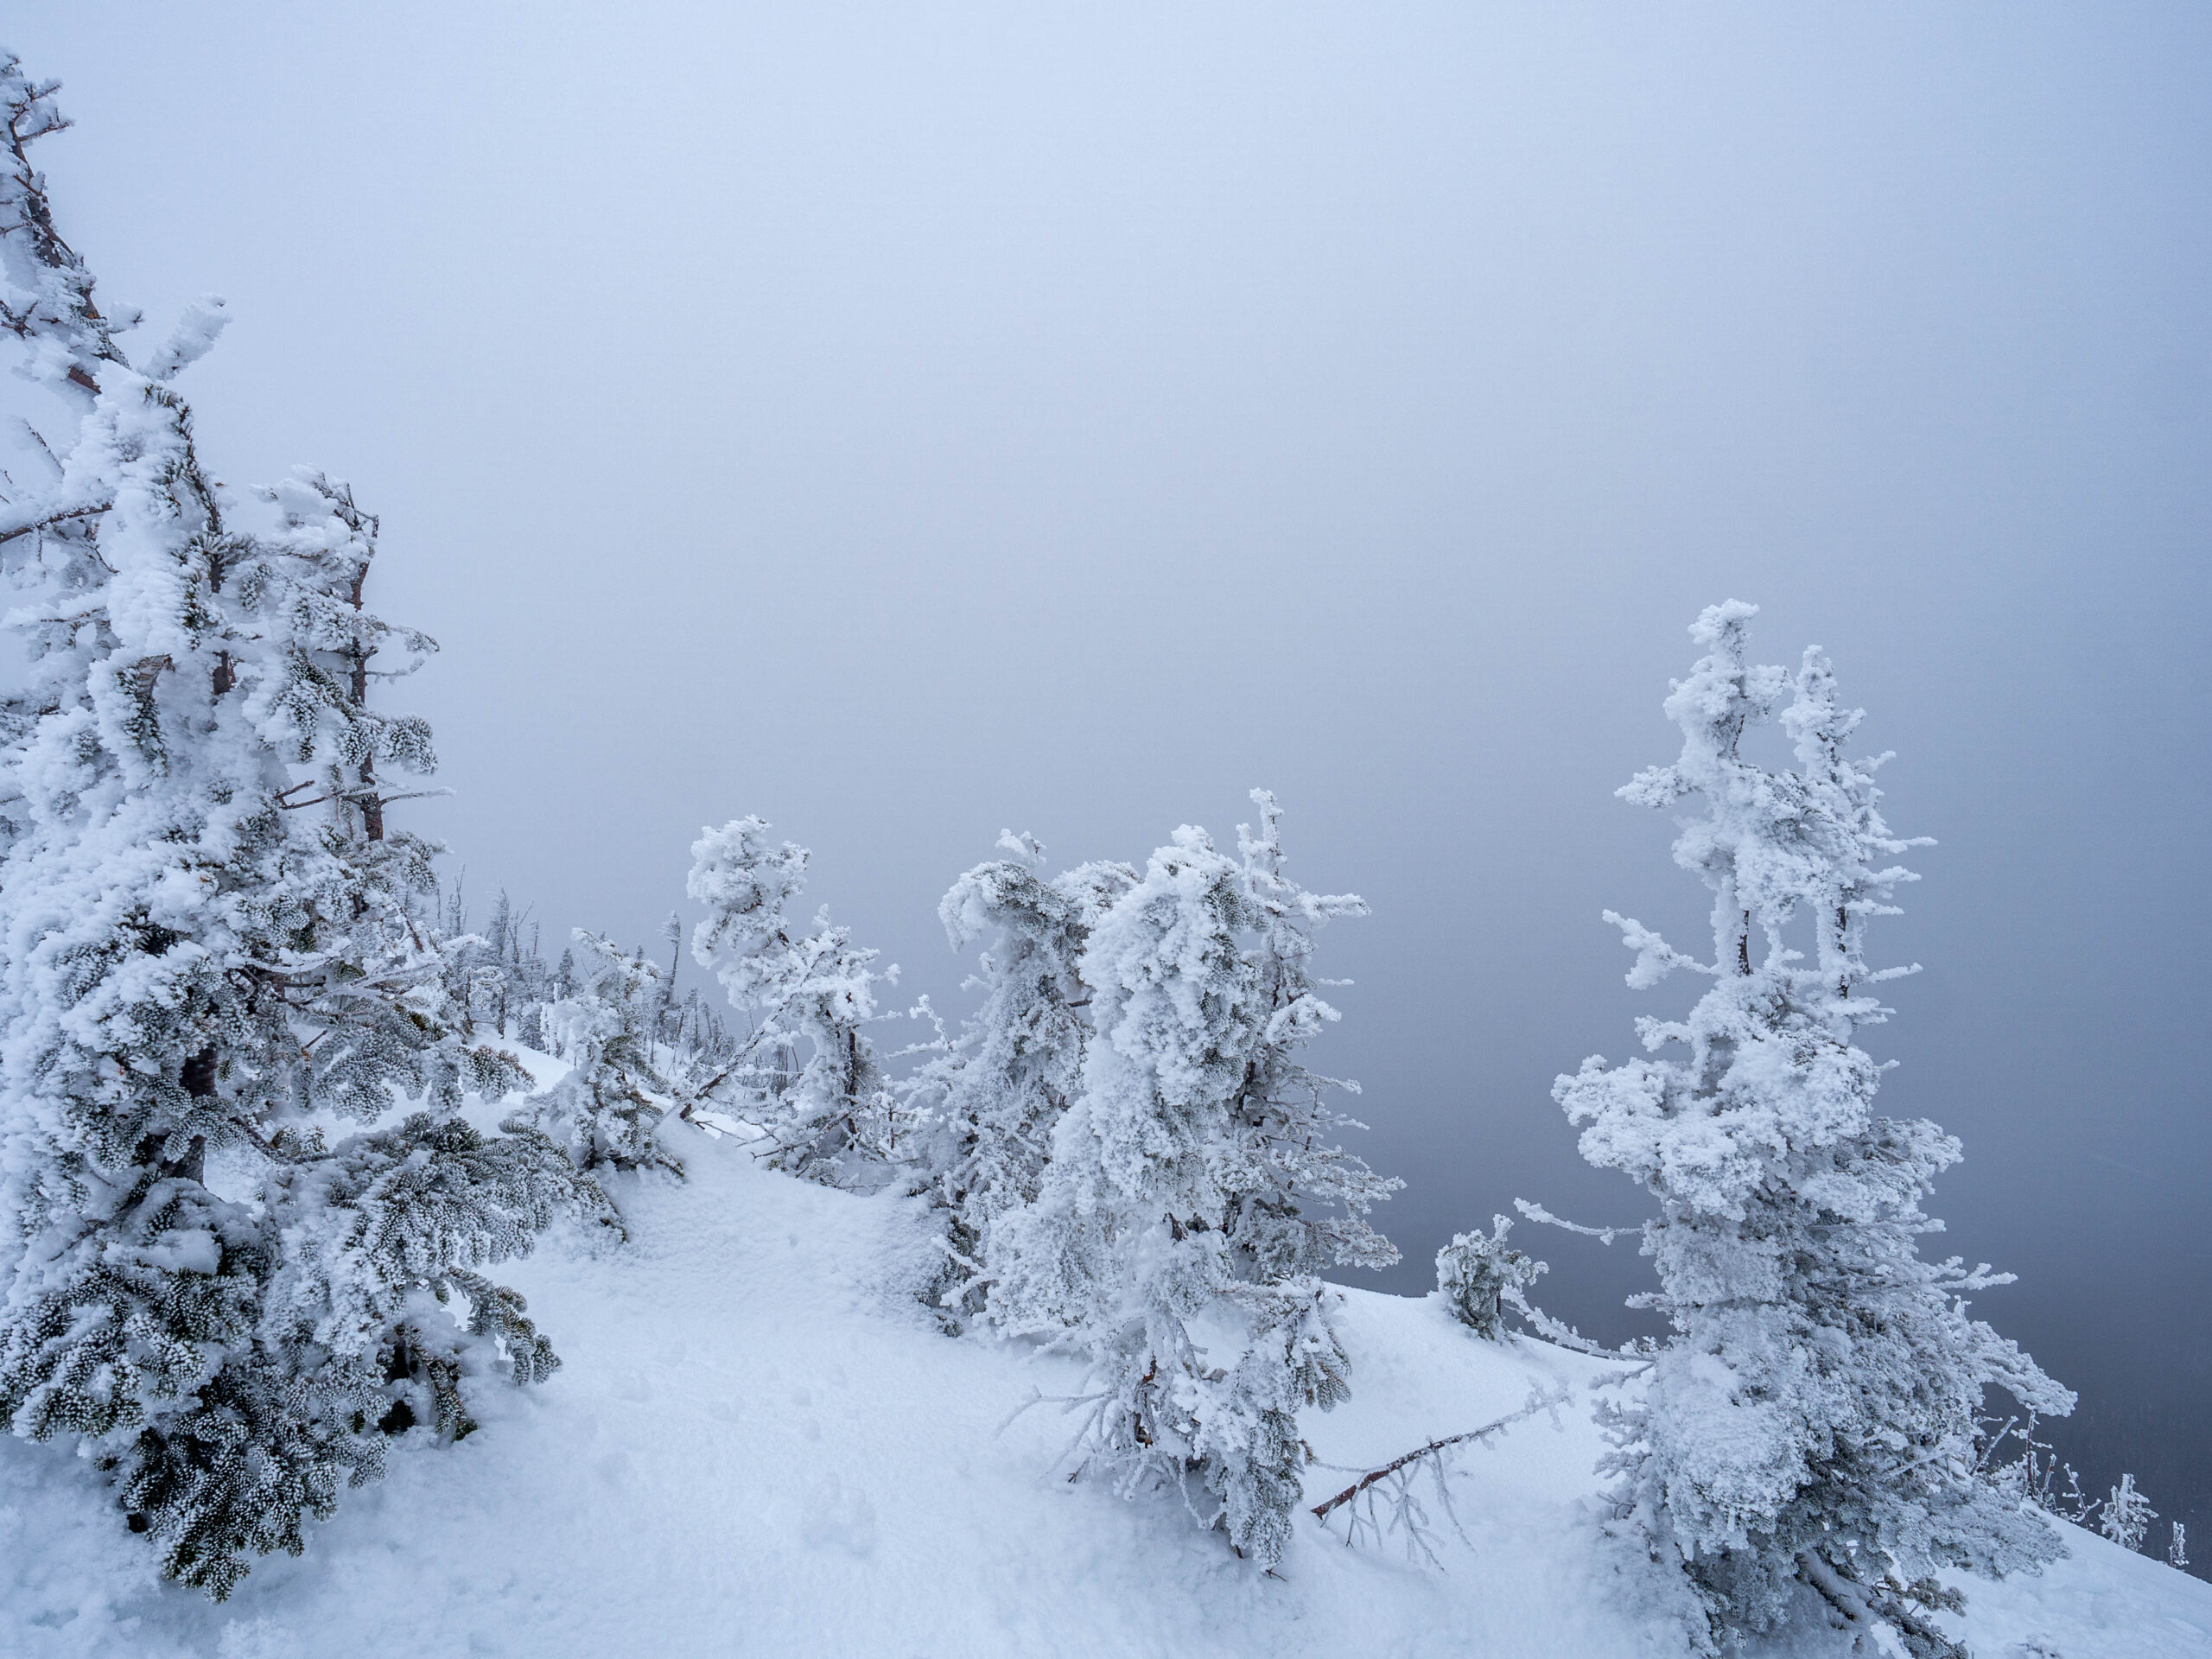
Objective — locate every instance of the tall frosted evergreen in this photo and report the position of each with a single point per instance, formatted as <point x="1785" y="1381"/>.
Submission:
<point x="1807" y="1436"/>
<point x="993" y="1103"/>
<point x="807" y="1071"/>
<point x="1195" y="1190"/>
<point x="605" y="1110"/>
<point x="215" y="1280"/>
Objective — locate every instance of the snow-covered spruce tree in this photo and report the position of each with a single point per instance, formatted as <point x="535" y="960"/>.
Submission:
<point x="605" y="1110"/>
<point x="1181" y="1217"/>
<point x="995" y="1099"/>
<point x="207" y="963"/>
<point x="806" y="1071"/>
<point x="1812" y="1421"/>
<point x="2125" y="1516"/>
<point x="519" y="990"/>
<point x="1305" y="1205"/>
<point x="1480" y="1275"/>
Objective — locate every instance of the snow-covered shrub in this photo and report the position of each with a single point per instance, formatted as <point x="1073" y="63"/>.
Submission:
<point x="1479" y="1273"/>
<point x="2031" y="1468"/>
<point x="1195" y="1188"/>
<point x="987" y="1109"/>
<point x="807" y="1071"/>
<point x="605" y="1110"/>
<point x="497" y="978"/>
<point x="2126" y="1516"/>
<point x="501" y="986"/>
<point x="1813" y="1419"/>
<point x="208" y="948"/>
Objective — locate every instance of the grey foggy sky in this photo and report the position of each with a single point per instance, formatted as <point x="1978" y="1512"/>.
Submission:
<point x="907" y="422"/>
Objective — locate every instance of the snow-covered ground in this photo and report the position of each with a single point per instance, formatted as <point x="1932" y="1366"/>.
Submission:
<point x="760" y="1444"/>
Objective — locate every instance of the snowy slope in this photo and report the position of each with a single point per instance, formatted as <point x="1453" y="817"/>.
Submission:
<point x="759" y="1446"/>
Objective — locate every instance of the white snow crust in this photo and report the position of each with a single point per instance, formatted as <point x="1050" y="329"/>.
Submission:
<point x="760" y="1444"/>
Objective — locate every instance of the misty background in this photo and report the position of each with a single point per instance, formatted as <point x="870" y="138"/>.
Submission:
<point x="910" y="422"/>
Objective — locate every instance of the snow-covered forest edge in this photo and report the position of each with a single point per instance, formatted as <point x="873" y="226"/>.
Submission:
<point x="761" y="1443"/>
<point x="377" y="1281"/>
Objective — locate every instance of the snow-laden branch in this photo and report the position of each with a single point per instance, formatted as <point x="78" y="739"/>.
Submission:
<point x="1537" y="1213"/>
<point x="1655" y="957"/>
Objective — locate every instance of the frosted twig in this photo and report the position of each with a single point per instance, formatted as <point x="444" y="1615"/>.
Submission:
<point x="1394" y="1482"/>
<point x="1536" y="1212"/>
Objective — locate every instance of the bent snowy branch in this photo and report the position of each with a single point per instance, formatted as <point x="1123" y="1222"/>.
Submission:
<point x="1538" y="1402"/>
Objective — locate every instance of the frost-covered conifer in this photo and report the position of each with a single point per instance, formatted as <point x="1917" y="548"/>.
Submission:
<point x="999" y="1093"/>
<point x="1170" y="1243"/>
<point x="605" y="1110"/>
<point x="807" y="1069"/>
<point x="1480" y="1275"/>
<point x="2126" y="1516"/>
<point x="666" y="1015"/>
<point x="208" y="967"/>
<point x="498" y="978"/>
<point x="1813" y="1419"/>
<point x="1303" y="1207"/>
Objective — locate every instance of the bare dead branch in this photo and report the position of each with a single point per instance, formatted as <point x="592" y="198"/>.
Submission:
<point x="1537" y="1401"/>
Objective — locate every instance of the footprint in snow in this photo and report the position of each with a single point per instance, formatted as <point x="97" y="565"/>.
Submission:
<point x="839" y="1518"/>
